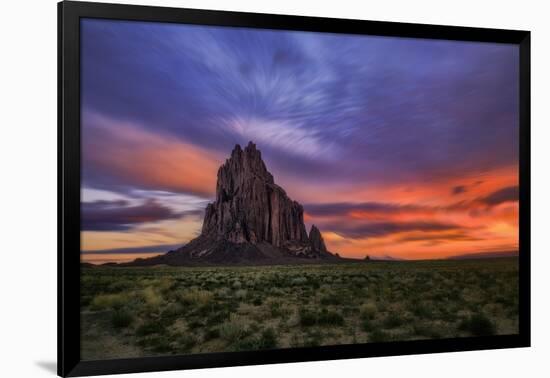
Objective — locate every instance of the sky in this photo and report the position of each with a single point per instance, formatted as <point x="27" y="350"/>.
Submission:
<point x="397" y="148"/>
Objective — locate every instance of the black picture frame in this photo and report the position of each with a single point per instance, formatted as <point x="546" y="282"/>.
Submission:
<point x="69" y="14"/>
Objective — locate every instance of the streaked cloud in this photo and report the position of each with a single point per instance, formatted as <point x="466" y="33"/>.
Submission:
<point x="146" y="249"/>
<point x="282" y="136"/>
<point x="459" y="189"/>
<point x="377" y="229"/>
<point x="119" y="216"/>
<point x="509" y="194"/>
<point x="122" y="156"/>
<point x="345" y="208"/>
<point x="396" y="147"/>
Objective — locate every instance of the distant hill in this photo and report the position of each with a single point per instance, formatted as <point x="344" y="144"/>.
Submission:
<point x="485" y="255"/>
<point x="386" y="258"/>
<point x="252" y="221"/>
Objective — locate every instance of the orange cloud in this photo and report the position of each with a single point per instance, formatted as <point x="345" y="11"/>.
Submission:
<point x="483" y="215"/>
<point x="469" y="213"/>
<point x="138" y="157"/>
<point x="114" y="257"/>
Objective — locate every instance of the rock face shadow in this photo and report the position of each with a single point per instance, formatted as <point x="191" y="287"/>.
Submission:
<point x="49" y="366"/>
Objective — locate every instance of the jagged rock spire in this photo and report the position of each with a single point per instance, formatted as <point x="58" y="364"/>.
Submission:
<point x="249" y="206"/>
<point x="316" y="239"/>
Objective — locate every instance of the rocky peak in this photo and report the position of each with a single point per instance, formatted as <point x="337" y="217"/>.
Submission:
<point x="316" y="239"/>
<point x="241" y="169"/>
<point x="249" y="206"/>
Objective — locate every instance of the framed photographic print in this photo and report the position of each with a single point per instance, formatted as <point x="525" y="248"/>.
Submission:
<point x="240" y="188"/>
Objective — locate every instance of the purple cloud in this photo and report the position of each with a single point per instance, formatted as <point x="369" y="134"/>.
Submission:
<point x="121" y="216"/>
<point x="343" y="208"/>
<point x="459" y="189"/>
<point x="508" y="194"/>
<point x="376" y="229"/>
<point x="326" y="107"/>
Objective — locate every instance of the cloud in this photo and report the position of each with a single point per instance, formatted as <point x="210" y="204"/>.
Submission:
<point x="508" y="194"/>
<point x="344" y="208"/>
<point x="134" y="250"/>
<point x="349" y="99"/>
<point x="440" y="237"/>
<point x="377" y="229"/>
<point x="119" y="155"/>
<point x="459" y="189"/>
<point x="338" y="118"/>
<point x="282" y="135"/>
<point x="120" y="216"/>
<point x="388" y="209"/>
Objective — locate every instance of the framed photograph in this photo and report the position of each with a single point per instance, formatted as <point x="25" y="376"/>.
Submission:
<point x="239" y="188"/>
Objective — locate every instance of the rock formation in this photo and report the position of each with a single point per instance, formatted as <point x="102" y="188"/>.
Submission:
<point x="316" y="240"/>
<point x="251" y="221"/>
<point x="249" y="206"/>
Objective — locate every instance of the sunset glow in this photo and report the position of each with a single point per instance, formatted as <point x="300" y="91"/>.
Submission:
<point x="397" y="149"/>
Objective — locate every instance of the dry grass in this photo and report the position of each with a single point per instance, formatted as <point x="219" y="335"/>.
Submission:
<point x="159" y="311"/>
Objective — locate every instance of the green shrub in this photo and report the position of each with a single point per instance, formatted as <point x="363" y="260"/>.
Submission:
<point x="422" y="310"/>
<point x="392" y="321"/>
<point x="215" y="318"/>
<point x="379" y="336"/>
<point x="367" y="325"/>
<point x="186" y="342"/>
<point x="195" y="324"/>
<point x="150" y="327"/>
<point x="165" y="284"/>
<point x="330" y="318"/>
<point x="426" y="330"/>
<point x="331" y="299"/>
<point x="241" y="294"/>
<point x="211" y="333"/>
<point x="151" y="297"/>
<point x="268" y="339"/>
<point x="196" y="297"/>
<point x="121" y="319"/>
<point x="478" y="325"/>
<point x="368" y="310"/>
<point x="108" y="301"/>
<point x="172" y="311"/>
<point x="118" y="286"/>
<point x="257" y="301"/>
<point x="234" y="329"/>
<point x="312" y="341"/>
<point x="298" y="281"/>
<point x="237" y="285"/>
<point x="307" y="318"/>
<point x="156" y="343"/>
<point x="325" y="317"/>
<point x="275" y="308"/>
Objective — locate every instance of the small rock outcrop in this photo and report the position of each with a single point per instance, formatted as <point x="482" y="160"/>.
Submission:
<point x="316" y="240"/>
<point x="251" y="221"/>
